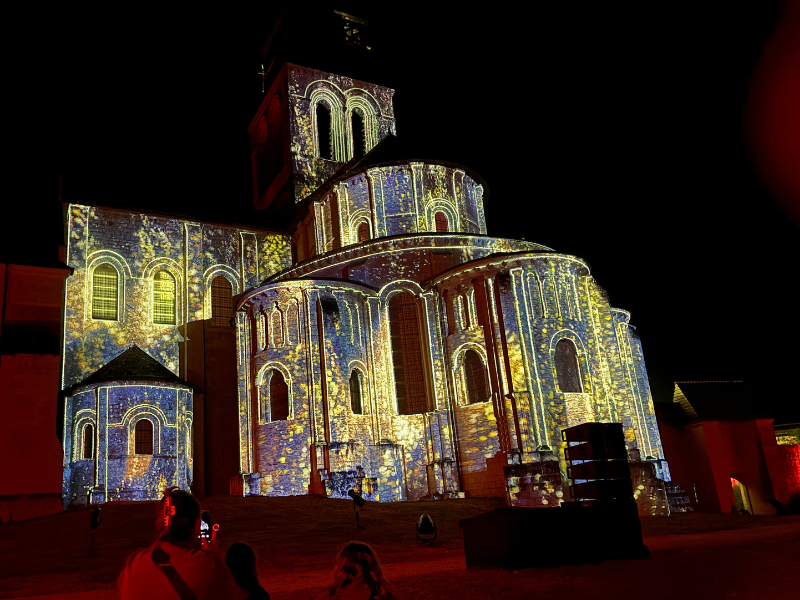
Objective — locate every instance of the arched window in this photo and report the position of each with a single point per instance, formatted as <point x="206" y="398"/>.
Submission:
<point x="475" y="378"/>
<point x="363" y="232"/>
<point x="143" y="440"/>
<point x="355" y="392"/>
<point x="359" y="135"/>
<point x="104" y="293"/>
<point x="569" y="379"/>
<point x="278" y="397"/>
<point x="221" y="302"/>
<point x="441" y="222"/>
<point x="164" y="298"/>
<point x="88" y="442"/>
<point x="407" y="355"/>
<point x="325" y="149"/>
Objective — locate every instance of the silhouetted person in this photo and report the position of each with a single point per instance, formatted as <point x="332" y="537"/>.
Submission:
<point x="358" y="576"/>
<point x="241" y="561"/>
<point x="94" y="523"/>
<point x="175" y="565"/>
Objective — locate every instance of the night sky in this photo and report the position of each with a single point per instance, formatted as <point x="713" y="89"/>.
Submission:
<point x="613" y="133"/>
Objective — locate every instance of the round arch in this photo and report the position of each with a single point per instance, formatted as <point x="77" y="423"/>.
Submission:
<point x="263" y="379"/>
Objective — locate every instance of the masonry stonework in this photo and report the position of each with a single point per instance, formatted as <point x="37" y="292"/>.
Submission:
<point x="384" y="341"/>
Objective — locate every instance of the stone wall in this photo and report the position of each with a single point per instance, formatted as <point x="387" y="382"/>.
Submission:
<point x="115" y="471"/>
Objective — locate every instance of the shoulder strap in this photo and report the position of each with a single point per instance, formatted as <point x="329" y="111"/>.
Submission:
<point x="161" y="559"/>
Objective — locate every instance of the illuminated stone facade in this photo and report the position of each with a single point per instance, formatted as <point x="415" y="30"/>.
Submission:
<point x="385" y="342"/>
<point x="138" y="248"/>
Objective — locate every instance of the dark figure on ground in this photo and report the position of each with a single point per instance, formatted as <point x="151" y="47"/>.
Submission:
<point x="358" y="576"/>
<point x="94" y="523"/>
<point x="175" y="566"/>
<point x="241" y="561"/>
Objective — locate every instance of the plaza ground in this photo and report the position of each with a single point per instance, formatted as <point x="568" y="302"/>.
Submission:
<point x="298" y="538"/>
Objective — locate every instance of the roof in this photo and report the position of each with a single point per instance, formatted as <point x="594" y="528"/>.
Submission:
<point x="391" y="150"/>
<point x="718" y="401"/>
<point x="132" y="364"/>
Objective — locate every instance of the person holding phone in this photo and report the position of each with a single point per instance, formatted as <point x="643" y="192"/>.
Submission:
<point x="176" y="565"/>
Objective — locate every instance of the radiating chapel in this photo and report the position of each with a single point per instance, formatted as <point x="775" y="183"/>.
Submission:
<point x="381" y="341"/>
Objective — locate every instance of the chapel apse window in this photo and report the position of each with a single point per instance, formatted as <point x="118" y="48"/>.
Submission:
<point x="363" y="232"/>
<point x="164" y="298"/>
<point x="278" y="397"/>
<point x="567" y="370"/>
<point x="88" y="442"/>
<point x="324" y="138"/>
<point x="440" y="219"/>
<point x="221" y="302"/>
<point x="407" y="355"/>
<point x="143" y="437"/>
<point x="105" y="282"/>
<point x="475" y="376"/>
<point x="359" y="135"/>
<point x="355" y="392"/>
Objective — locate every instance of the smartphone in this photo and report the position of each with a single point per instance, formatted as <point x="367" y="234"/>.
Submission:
<point x="205" y="526"/>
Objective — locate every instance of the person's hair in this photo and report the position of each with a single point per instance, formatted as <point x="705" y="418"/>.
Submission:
<point x="241" y="562"/>
<point x="187" y="511"/>
<point x="357" y="563"/>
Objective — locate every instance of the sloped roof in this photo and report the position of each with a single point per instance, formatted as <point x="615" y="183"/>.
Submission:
<point x="132" y="364"/>
<point x="718" y="401"/>
<point x="388" y="151"/>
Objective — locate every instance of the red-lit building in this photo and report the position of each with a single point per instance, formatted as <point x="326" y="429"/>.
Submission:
<point x="722" y="448"/>
<point x="31" y="305"/>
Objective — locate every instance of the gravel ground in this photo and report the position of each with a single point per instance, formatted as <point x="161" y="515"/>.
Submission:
<point x="297" y="540"/>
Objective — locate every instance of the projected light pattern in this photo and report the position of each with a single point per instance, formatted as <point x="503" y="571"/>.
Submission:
<point x="116" y="471"/>
<point x="458" y="341"/>
<point x="510" y="302"/>
<point x="140" y="248"/>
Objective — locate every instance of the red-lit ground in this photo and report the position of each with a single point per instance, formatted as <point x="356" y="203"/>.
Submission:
<point x="297" y="539"/>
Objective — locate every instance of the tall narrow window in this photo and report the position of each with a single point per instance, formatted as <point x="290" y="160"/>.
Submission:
<point x="221" y="302"/>
<point x="407" y="355"/>
<point x="441" y="222"/>
<point x="164" y="298"/>
<point x="325" y="148"/>
<point x="88" y="442"/>
<point x="104" y="293"/>
<point x="355" y="392"/>
<point x="475" y="375"/>
<point x="359" y="137"/>
<point x="569" y="379"/>
<point x="278" y="397"/>
<point x="143" y="440"/>
<point x="363" y="232"/>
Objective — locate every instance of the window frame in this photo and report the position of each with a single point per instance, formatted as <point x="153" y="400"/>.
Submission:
<point x="212" y="317"/>
<point x="579" y="376"/>
<point x="359" y="380"/>
<point x="136" y="441"/>
<point x="466" y="377"/>
<point x="174" y="281"/>
<point x="117" y="289"/>
<point x="399" y="334"/>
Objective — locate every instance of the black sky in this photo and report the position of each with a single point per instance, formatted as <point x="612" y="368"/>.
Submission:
<point x="613" y="132"/>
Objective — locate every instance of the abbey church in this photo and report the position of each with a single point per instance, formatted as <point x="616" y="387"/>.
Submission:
<point x="376" y="338"/>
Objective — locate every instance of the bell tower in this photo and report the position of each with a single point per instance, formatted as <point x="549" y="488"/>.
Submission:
<point x="313" y="123"/>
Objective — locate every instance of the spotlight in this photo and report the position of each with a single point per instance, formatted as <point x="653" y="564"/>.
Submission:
<point x="358" y="504"/>
<point x="426" y="528"/>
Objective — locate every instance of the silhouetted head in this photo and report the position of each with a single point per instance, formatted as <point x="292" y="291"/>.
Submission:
<point x="178" y="512"/>
<point x="357" y="564"/>
<point x="241" y="561"/>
